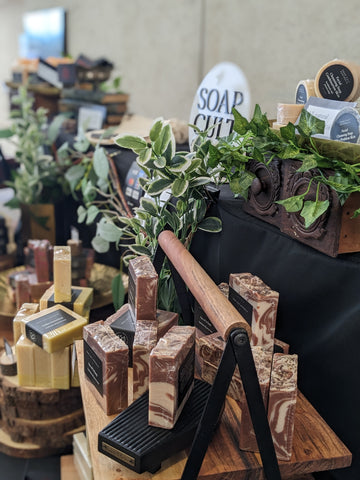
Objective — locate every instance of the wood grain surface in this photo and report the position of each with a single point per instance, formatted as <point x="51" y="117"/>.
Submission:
<point x="315" y="448"/>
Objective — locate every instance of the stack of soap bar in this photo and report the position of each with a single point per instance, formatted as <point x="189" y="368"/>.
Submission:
<point x="24" y="311"/>
<point x="62" y="274"/>
<point x="142" y="291"/>
<point x="282" y="403"/>
<point x="123" y="324"/>
<point x="171" y="375"/>
<point x="38" y="368"/>
<point x="55" y="328"/>
<point x="42" y="258"/>
<point x="106" y="367"/>
<point x="144" y="341"/>
<point x="258" y="304"/>
<point x="80" y="302"/>
<point x="82" y="261"/>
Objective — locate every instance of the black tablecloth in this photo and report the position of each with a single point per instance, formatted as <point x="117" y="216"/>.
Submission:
<point x="318" y="314"/>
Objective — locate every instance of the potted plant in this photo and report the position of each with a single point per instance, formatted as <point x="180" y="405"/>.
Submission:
<point x="38" y="180"/>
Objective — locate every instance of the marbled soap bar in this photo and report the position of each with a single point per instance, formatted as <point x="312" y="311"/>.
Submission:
<point x="24" y="312"/>
<point x="80" y="302"/>
<point x="106" y="366"/>
<point x="55" y="328"/>
<point x="165" y="321"/>
<point x="258" y="304"/>
<point x="142" y="291"/>
<point x="42" y="260"/>
<point x="171" y="375"/>
<point x="144" y="341"/>
<point x="282" y="403"/>
<point x="62" y="274"/>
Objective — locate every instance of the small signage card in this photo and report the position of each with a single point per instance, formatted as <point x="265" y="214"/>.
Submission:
<point x="222" y="89"/>
<point x="91" y="117"/>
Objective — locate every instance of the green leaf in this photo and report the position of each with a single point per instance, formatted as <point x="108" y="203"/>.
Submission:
<point x="313" y="210"/>
<point x="160" y="162"/>
<point x="132" y="142"/>
<point x="156" y="129"/>
<point x="179" y="163"/>
<point x="55" y="125"/>
<point x="308" y="162"/>
<point x="158" y="186"/>
<point x="140" y="250"/>
<point x="292" y="204"/>
<point x="309" y="124"/>
<point x="211" y="224"/>
<point x="289" y="133"/>
<point x="356" y="213"/>
<point x="81" y="213"/>
<point x="198" y="181"/>
<point x="6" y="133"/>
<point x="179" y="187"/>
<point x="118" y="291"/>
<point x="163" y="140"/>
<point x="239" y="185"/>
<point x="241" y="125"/>
<point x="195" y="164"/>
<point x="82" y="144"/>
<point x="149" y="206"/>
<point x="100" y="245"/>
<point x="91" y="214"/>
<point x="144" y="156"/>
<point x="109" y="231"/>
<point x="101" y="163"/>
<point x="74" y="175"/>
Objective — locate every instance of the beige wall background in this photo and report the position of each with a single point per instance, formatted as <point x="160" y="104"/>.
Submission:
<point x="163" y="48"/>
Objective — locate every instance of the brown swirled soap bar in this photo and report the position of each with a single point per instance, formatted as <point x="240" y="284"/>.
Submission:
<point x="171" y="375"/>
<point x="106" y="366"/>
<point x="282" y="403"/>
<point x="145" y="340"/>
<point x="258" y="304"/>
<point x="142" y="291"/>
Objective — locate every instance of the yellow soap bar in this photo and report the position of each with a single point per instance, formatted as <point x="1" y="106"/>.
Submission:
<point x="60" y="369"/>
<point x="81" y="300"/>
<point x="62" y="274"/>
<point x="42" y="362"/>
<point x="24" y="312"/>
<point x="55" y="328"/>
<point x="25" y="361"/>
<point x="74" y="373"/>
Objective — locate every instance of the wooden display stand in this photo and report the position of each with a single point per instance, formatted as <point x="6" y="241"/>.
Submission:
<point x="315" y="446"/>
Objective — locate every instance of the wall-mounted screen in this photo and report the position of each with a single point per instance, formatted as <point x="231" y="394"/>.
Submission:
<point x="44" y="33"/>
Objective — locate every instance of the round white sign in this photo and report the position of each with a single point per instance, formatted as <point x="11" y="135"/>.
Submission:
<point x="225" y="87"/>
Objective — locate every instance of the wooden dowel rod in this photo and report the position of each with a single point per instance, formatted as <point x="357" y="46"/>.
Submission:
<point x="217" y="307"/>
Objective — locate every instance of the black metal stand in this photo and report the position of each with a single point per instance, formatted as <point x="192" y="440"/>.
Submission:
<point x="237" y="352"/>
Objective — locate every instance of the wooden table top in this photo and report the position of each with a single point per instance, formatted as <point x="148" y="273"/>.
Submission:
<point x="315" y="446"/>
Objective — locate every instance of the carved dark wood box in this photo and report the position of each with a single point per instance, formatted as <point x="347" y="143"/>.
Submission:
<point x="332" y="233"/>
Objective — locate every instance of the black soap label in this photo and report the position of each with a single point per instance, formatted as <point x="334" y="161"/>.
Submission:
<point x="35" y="329"/>
<point x="241" y="305"/>
<point x="131" y="293"/>
<point x="93" y="368"/>
<point x="124" y="328"/>
<point x="301" y="95"/>
<point x="336" y="82"/>
<point x="75" y="293"/>
<point x="202" y="321"/>
<point x="186" y="375"/>
<point x="345" y="128"/>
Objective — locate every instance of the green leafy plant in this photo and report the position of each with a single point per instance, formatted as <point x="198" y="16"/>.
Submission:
<point x="39" y="178"/>
<point x="255" y="139"/>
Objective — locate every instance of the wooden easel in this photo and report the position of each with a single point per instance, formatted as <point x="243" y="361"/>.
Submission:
<point x="237" y="333"/>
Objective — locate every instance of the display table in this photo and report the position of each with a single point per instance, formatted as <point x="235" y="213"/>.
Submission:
<point x="316" y="447"/>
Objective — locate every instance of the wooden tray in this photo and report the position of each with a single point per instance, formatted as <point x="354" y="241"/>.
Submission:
<point x="316" y="447"/>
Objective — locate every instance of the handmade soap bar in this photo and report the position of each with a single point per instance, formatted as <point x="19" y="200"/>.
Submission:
<point x="165" y="320"/>
<point x="262" y="360"/>
<point x="145" y="340"/>
<point x="282" y="403"/>
<point x="304" y="90"/>
<point x="55" y="328"/>
<point x="288" y="112"/>
<point x="22" y="290"/>
<point x="60" y="369"/>
<point x="258" y="304"/>
<point x="235" y="390"/>
<point x="106" y="366"/>
<point x="24" y="312"/>
<point x="80" y="302"/>
<point x="338" y="80"/>
<point x="62" y="274"/>
<point x="42" y="260"/>
<point x="202" y="323"/>
<point x="25" y="361"/>
<point x="123" y="324"/>
<point x="171" y="375"/>
<point x="142" y="291"/>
